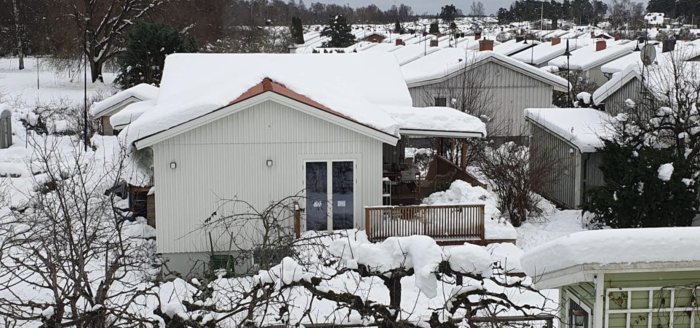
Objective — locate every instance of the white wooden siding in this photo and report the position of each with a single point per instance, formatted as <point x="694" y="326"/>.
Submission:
<point x="509" y="93"/>
<point x="615" y="103"/>
<point x="227" y="159"/>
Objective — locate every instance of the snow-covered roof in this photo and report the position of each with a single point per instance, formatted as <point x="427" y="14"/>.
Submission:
<point x="565" y="260"/>
<point x="139" y="92"/>
<point x="617" y="81"/>
<point x="365" y="88"/>
<point x="450" y="60"/>
<point x="587" y="57"/>
<point x="408" y="53"/>
<point x="543" y="52"/>
<point x="130" y="113"/>
<point x="582" y="127"/>
<point x="512" y="46"/>
<point x="439" y="121"/>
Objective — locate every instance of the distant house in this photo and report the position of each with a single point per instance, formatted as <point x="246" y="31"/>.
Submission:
<point x="375" y="38"/>
<point x="499" y="86"/>
<point x="102" y="111"/>
<point x="260" y="128"/>
<point x="647" y="277"/>
<point x="655" y="19"/>
<point x="568" y="137"/>
<point x="627" y="84"/>
<point x="589" y="59"/>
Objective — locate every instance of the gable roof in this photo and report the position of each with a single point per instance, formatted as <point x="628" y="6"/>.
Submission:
<point x="445" y="63"/>
<point x="359" y="89"/>
<point x="139" y="92"/>
<point x="616" y="82"/>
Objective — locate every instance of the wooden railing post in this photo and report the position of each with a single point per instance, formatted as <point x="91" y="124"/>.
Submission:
<point x="481" y="218"/>
<point x="297" y="219"/>
<point x="367" y="224"/>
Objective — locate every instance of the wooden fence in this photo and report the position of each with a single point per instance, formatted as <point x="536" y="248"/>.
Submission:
<point x="445" y="223"/>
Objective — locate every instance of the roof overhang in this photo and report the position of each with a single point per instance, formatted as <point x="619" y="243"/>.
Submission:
<point x="554" y="84"/>
<point x="111" y="110"/>
<point x="588" y="272"/>
<point x="259" y="98"/>
<point x="422" y="133"/>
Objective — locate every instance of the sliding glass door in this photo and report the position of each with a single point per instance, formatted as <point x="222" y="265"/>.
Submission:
<point x="330" y="195"/>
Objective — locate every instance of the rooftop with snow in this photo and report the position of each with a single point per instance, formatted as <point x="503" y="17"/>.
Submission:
<point x="583" y="127"/>
<point x="367" y="88"/>
<point x="578" y="256"/>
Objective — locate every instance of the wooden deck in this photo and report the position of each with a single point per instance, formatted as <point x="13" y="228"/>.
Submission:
<point x="447" y="224"/>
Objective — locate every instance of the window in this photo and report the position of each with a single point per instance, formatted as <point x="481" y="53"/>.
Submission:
<point x="440" y="101"/>
<point x="652" y="307"/>
<point x="578" y="316"/>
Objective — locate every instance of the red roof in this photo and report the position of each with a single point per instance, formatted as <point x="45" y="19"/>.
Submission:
<point x="268" y="85"/>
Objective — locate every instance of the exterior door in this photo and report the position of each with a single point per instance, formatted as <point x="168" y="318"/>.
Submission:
<point x="330" y="195"/>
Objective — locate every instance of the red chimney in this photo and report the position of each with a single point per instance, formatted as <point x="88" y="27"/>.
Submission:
<point x="485" y="45"/>
<point x="434" y="43"/>
<point x="556" y="41"/>
<point x="477" y="35"/>
<point x="617" y="36"/>
<point x="399" y="42"/>
<point x="600" y="45"/>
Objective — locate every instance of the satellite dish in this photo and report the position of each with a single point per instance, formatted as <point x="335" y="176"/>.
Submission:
<point x="648" y="54"/>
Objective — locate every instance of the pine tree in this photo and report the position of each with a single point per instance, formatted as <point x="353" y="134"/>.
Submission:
<point x="146" y="49"/>
<point x="397" y="27"/>
<point x="340" y="33"/>
<point x="434" y="28"/>
<point x="297" y="30"/>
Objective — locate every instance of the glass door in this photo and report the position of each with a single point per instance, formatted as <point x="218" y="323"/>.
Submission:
<point x="330" y="195"/>
<point x="316" y="196"/>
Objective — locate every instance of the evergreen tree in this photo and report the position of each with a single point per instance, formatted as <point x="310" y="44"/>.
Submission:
<point x="634" y="195"/>
<point x="448" y="13"/>
<point x="339" y="31"/>
<point x="297" y="30"/>
<point x="434" y="28"/>
<point x="144" y="56"/>
<point x="397" y="27"/>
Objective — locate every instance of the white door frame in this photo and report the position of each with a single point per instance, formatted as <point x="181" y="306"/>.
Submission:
<point x="329" y="186"/>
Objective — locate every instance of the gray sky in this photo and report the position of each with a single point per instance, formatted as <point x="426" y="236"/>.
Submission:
<point x="429" y="6"/>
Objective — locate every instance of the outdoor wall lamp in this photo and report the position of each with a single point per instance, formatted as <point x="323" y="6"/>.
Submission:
<point x="173" y="165"/>
<point x="268" y="163"/>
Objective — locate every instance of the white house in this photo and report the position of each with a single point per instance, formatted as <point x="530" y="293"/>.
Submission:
<point x="542" y="53"/>
<point x="103" y="110"/>
<point x="589" y="59"/>
<point x="259" y="128"/>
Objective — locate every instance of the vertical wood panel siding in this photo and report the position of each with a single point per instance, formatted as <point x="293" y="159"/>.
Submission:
<point x="562" y="189"/>
<point x="227" y="159"/>
<point x="509" y="93"/>
<point x="615" y="103"/>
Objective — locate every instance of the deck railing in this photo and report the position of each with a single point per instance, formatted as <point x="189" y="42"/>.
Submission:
<point x="441" y="222"/>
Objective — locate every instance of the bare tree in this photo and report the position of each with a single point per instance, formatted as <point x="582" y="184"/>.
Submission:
<point x="69" y="245"/>
<point x="102" y="24"/>
<point x="18" y="33"/>
<point x="477" y="9"/>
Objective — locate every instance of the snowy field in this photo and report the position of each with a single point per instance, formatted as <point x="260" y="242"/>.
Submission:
<point x="142" y="292"/>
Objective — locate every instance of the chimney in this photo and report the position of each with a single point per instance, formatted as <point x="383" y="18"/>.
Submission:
<point x="616" y="36"/>
<point x="556" y="41"/>
<point x="485" y="45"/>
<point x="477" y="36"/>
<point x="600" y="45"/>
<point x="668" y="45"/>
<point x="399" y="42"/>
<point x="519" y="39"/>
<point x="592" y="35"/>
<point x="433" y="42"/>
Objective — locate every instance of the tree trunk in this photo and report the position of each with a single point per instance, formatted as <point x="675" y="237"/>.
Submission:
<point x="96" y="71"/>
<point x="18" y="34"/>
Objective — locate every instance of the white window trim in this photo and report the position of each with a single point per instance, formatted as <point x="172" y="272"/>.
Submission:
<point x="329" y="186"/>
<point x="585" y="307"/>
<point x="650" y="310"/>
